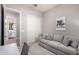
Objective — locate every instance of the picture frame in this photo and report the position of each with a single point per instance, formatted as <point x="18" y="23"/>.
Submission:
<point x="60" y="23"/>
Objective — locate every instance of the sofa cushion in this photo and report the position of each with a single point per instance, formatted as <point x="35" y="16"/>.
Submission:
<point x="74" y="44"/>
<point x="52" y="36"/>
<point x="78" y="49"/>
<point x="67" y="49"/>
<point x="66" y="41"/>
<point x="59" y="46"/>
<point x="44" y="36"/>
<point x="58" y="37"/>
<point x="74" y="40"/>
<point x="49" y="37"/>
<point x="50" y="43"/>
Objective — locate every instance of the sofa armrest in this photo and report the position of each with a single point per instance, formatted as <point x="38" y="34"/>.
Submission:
<point x="78" y="49"/>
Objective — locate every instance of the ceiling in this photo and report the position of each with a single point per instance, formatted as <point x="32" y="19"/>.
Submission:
<point x="39" y="7"/>
<point x="43" y="7"/>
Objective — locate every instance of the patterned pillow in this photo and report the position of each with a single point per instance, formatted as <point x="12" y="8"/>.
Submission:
<point x="74" y="44"/>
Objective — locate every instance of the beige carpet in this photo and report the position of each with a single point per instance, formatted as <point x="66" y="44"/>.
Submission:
<point x="35" y="49"/>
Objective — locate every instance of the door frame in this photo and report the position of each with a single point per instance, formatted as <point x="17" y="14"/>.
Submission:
<point x="16" y="11"/>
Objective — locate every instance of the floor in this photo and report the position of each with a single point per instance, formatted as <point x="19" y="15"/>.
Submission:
<point x="9" y="49"/>
<point x="35" y="49"/>
<point x="11" y="41"/>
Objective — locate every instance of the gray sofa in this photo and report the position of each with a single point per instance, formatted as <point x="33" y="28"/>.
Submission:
<point x="60" y="44"/>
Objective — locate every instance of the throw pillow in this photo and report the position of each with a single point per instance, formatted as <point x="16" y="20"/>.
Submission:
<point x="44" y="36"/>
<point x="66" y="41"/>
<point x="74" y="44"/>
<point x="58" y="37"/>
<point x="48" y="37"/>
<point x="52" y="36"/>
<point x="70" y="43"/>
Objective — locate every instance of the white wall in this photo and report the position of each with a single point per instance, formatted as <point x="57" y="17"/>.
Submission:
<point x="71" y="12"/>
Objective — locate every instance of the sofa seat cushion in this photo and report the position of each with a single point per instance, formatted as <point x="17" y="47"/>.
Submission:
<point x="53" y="44"/>
<point x="67" y="49"/>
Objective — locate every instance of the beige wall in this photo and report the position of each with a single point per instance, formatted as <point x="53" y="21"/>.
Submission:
<point x="71" y="12"/>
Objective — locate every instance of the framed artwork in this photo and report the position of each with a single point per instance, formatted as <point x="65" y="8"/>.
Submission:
<point x="60" y="23"/>
<point x="11" y="26"/>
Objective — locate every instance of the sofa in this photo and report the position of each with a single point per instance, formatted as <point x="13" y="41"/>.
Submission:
<point x="60" y="44"/>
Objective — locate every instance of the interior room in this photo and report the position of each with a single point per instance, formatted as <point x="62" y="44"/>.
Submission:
<point x="39" y="29"/>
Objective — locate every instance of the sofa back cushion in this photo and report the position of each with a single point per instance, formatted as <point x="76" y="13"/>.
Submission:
<point x="52" y="36"/>
<point x="49" y="37"/>
<point x="43" y="36"/>
<point x="58" y="37"/>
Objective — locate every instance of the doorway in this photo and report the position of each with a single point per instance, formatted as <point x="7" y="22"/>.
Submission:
<point x="11" y="27"/>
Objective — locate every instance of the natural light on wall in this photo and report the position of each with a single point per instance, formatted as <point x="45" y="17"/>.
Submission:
<point x="33" y="27"/>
